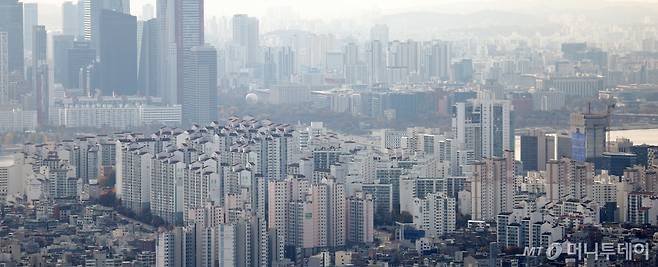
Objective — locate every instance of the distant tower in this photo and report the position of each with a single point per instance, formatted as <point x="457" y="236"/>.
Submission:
<point x="440" y="60"/>
<point x="149" y="59"/>
<point x="181" y="28"/>
<point x="534" y="150"/>
<point x="118" y="53"/>
<point x="588" y="132"/>
<point x="89" y="16"/>
<point x="11" y="22"/>
<point x="79" y="57"/>
<point x="376" y="62"/>
<point x="246" y="35"/>
<point x="4" y="68"/>
<point x="482" y="128"/>
<point x="200" y="86"/>
<point x="30" y="19"/>
<point x="69" y="18"/>
<point x="61" y="46"/>
<point x="40" y="87"/>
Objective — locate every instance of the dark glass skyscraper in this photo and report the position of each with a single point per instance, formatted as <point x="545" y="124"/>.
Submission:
<point x="11" y="21"/>
<point x="118" y="53"/>
<point x="79" y="58"/>
<point x="61" y="46"/>
<point x="149" y="59"/>
<point x="90" y="12"/>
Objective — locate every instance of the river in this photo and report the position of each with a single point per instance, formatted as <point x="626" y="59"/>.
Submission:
<point x="643" y="136"/>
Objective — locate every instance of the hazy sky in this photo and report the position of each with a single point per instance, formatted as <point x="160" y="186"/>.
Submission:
<point x="341" y="8"/>
<point x="307" y="8"/>
<point x="338" y="9"/>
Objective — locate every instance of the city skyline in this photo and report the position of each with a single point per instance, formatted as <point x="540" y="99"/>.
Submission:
<point x="377" y="133"/>
<point x="309" y="10"/>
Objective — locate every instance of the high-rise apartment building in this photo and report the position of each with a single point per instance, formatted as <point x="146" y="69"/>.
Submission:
<point x="376" y="62"/>
<point x="167" y="172"/>
<point x="493" y="186"/>
<point x="360" y="218"/>
<point x="567" y="178"/>
<point x="481" y="128"/>
<point x="437" y="214"/>
<point x="440" y="60"/>
<point x="135" y="177"/>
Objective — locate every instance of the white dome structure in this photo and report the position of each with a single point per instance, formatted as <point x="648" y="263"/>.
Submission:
<point x="251" y="98"/>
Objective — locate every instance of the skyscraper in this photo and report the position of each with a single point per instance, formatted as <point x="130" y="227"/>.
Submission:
<point x="376" y="62"/>
<point x="79" y="57"/>
<point x="440" y="57"/>
<point x="61" y="46"/>
<point x="86" y="12"/>
<point x="69" y="18"/>
<point x="30" y="19"/>
<point x="200" y="86"/>
<point x="11" y="22"/>
<point x="89" y="15"/>
<point x="40" y="87"/>
<point x="588" y="131"/>
<point x="481" y="128"/>
<point x="246" y="36"/>
<point x="149" y="59"/>
<point x="118" y="53"/>
<point x="181" y="27"/>
<point x="534" y="148"/>
<point x="4" y="68"/>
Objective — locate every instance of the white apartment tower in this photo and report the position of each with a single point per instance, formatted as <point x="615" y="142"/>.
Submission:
<point x="360" y="218"/>
<point x="492" y="186"/>
<point x="135" y="169"/>
<point x="567" y="178"/>
<point x="167" y="188"/>
<point x="481" y="128"/>
<point x="437" y="214"/>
